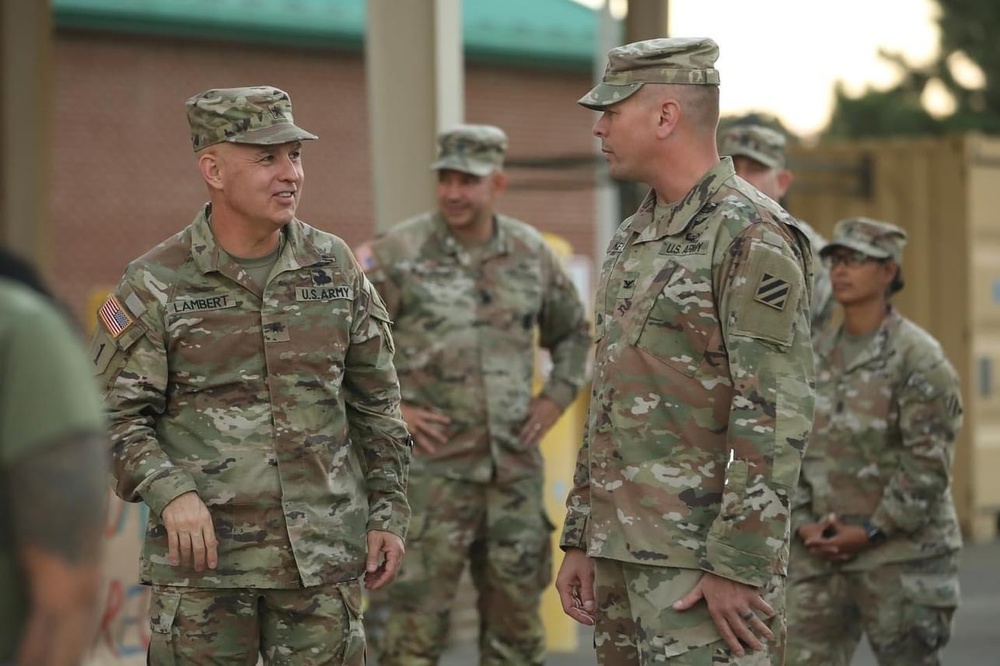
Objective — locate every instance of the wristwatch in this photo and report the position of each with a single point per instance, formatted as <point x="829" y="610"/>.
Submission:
<point x="874" y="533"/>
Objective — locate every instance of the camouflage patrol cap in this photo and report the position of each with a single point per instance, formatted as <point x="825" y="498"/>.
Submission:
<point x="475" y="149"/>
<point x="758" y="142"/>
<point x="259" y="115"/>
<point x="879" y="240"/>
<point x="679" y="60"/>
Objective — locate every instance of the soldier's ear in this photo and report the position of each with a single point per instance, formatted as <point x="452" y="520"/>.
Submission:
<point x="210" y="164"/>
<point x="499" y="181"/>
<point x="785" y="179"/>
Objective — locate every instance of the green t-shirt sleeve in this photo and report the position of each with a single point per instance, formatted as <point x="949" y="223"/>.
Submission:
<point x="47" y="391"/>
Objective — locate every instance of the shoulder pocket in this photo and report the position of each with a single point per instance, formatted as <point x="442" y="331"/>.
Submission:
<point x="766" y="306"/>
<point x="116" y="331"/>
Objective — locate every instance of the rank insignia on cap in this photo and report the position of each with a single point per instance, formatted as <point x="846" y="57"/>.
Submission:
<point x="114" y="317"/>
<point x="772" y="291"/>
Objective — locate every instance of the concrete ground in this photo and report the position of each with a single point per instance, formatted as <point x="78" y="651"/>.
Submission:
<point x="975" y="641"/>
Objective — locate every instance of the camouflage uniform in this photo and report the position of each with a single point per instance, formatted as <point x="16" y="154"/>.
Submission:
<point x="767" y="146"/>
<point x="465" y="325"/>
<point x="881" y="453"/>
<point x="279" y="406"/>
<point x="702" y="399"/>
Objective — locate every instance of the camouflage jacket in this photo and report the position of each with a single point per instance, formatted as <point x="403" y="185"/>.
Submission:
<point x="465" y="333"/>
<point x="702" y="399"/>
<point x="280" y="409"/>
<point x="882" y="446"/>
<point x="823" y="303"/>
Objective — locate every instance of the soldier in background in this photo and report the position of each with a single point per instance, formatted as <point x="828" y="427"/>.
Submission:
<point x="247" y="363"/>
<point x="758" y="154"/>
<point x="877" y="533"/>
<point x="676" y="534"/>
<point x="469" y="290"/>
<point x="53" y="476"/>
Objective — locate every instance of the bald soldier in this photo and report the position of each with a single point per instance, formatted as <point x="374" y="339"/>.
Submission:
<point x="877" y="535"/>
<point x="759" y="158"/>
<point x="247" y="365"/>
<point x="470" y="291"/>
<point x="676" y="534"/>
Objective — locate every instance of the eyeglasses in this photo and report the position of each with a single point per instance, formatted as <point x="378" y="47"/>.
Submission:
<point x="849" y="259"/>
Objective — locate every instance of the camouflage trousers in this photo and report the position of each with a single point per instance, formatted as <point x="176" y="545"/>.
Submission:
<point x="302" y="627"/>
<point x="904" y="608"/>
<point x="503" y="533"/>
<point x="636" y="624"/>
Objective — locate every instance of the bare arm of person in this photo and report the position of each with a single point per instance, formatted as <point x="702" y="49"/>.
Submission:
<point x="58" y="507"/>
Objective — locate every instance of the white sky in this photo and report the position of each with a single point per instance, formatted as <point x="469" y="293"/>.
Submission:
<point x="783" y="56"/>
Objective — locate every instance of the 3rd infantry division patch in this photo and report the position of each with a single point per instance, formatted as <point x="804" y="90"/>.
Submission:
<point x="772" y="291"/>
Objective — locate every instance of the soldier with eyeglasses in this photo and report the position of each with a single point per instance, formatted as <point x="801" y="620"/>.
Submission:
<point x="877" y="533"/>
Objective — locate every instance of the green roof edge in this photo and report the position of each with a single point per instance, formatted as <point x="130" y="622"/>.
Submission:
<point x="299" y="36"/>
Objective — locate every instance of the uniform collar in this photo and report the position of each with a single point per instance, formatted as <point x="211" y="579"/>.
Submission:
<point x="673" y="219"/>
<point x="499" y="243"/>
<point x="209" y="256"/>
<point x="827" y="342"/>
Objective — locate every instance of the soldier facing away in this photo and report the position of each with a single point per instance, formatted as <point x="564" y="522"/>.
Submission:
<point x="877" y="533"/>
<point x="759" y="158"/>
<point x="247" y="365"/>
<point x="53" y="478"/>
<point x="676" y="535"/>
<point x="469" y="290"/>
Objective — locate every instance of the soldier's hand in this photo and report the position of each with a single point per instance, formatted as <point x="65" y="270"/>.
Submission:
<point x="425" y="426"/>
<point x="542" y="415"/>
<point x="385" y="556"/>
<point x="734" y="608"/>
<point x="190" y="532"/>
<point x="575" y="584"/>
<point x="836" y="541"/>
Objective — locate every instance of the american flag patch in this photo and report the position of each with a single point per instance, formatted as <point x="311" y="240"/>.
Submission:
<point x="365" y="257"/>
<point x="114" y="317"/>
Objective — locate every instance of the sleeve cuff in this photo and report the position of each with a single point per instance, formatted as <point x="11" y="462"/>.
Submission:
<point x="574" y="533"/>
<point x="560" y="392"/>
<point x="741" y="566"/>
<point x="397" y="521"/>
<point x="160" y="492"/>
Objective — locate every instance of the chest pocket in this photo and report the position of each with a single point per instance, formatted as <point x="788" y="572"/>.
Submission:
<point x="676" y="321"/>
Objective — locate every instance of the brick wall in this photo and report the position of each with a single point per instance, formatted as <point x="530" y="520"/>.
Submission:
<point x="124" y="177"/>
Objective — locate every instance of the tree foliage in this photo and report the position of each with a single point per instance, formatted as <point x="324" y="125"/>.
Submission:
<point x="968" y="27"/>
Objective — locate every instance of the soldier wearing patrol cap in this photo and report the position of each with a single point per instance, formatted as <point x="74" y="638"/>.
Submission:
<point x="247" y="365"/>
<point x="469" y="290"/>
<point x="758" y="153"/>
<point x="676" y="533"/>
<point x="877" y="533"/>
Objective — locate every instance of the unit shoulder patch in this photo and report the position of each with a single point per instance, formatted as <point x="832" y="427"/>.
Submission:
<point x="766" y="300"/>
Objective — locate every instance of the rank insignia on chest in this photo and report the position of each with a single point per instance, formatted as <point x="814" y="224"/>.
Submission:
<point x="772" y="291"/>
<point x="618" y="248"/>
